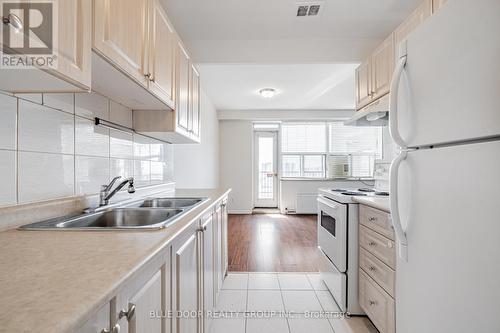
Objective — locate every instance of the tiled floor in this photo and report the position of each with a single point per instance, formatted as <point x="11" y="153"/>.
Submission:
<point x="279" y="303"/>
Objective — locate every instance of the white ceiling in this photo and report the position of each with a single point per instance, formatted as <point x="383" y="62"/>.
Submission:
<point x="268" y="31"/>
<point x="305" y="86"/>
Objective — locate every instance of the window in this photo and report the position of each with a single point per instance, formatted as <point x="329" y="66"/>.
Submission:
<point x="353" y="150"/>
<point x="303" y="149"/>
<point x="329" y="150"/>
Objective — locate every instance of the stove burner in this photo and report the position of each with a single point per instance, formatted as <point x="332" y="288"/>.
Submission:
<point x="384" y="194"/>
<point x="369" y="190"/>
<point x="355" y="194"/>
<point x="338" y="190"/>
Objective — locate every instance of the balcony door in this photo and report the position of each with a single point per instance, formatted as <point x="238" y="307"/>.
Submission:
<point x="266" y="169"/>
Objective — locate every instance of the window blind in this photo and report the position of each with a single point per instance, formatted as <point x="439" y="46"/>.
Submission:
<point x="303" y="138"/>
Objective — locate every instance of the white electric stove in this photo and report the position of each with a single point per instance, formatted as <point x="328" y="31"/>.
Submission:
<point x="338" y="242"/>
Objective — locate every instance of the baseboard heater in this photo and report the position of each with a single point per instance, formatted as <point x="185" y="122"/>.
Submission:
<point x="306" y="203"/>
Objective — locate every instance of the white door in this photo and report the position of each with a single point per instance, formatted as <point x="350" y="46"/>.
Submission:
<point x="449" y="209"/>
<point x="266" y="169"/>
<point x="449" y="88"/>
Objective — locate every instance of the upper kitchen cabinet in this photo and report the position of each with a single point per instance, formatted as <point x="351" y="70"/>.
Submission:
<point x="161" y="56"/>
<point x="422" y="12"/>
<point x="363" y="84"/>
<point x="194" y="103"/>
<point x="120" y="35"/>
<point x="72" y="70"/>
<point x="382" y="67"/>
<point x="182" y="79"/>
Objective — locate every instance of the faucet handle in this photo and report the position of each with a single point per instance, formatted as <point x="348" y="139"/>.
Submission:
<point x="112" y="182"/>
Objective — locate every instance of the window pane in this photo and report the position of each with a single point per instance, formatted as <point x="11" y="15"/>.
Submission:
<point x="303" y="137"/>
<point x="314" y="166"/>
<point x="290" y="166"/>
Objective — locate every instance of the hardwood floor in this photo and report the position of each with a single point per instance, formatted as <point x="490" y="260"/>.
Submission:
<point x="273" y="243"/>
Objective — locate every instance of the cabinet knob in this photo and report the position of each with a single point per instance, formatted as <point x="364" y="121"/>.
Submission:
<point x="372" y="268"/>
<point x="147" y="76"/>
<point x="128" y="314"/>
<point x="372" y="303"/>
<point x="372" y="219"/>
<point x="202" y="229"/>
<point x="372" y="243"/>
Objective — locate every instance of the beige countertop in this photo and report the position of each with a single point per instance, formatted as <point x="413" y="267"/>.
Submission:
<point x="375" y="202"/>
<point x="52" y="281"/>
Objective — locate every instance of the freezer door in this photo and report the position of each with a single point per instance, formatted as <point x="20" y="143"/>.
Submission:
<point x="450" y="209"/>
<point x="449" y="90"/>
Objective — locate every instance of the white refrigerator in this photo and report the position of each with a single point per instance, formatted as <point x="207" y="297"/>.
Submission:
<point x="445" y="183"/>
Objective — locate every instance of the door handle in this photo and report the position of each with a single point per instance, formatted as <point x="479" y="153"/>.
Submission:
<point x="394" y="217"/>
<point x="393" y="100"/>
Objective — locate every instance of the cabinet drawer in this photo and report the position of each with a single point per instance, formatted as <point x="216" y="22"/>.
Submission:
<point x="377" y="270"/>
<point x="378" y="245"/>
<point x="376" y="220"/>
<point x="378" y="305"/>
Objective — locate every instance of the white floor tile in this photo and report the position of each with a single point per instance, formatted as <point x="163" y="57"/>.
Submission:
<point x="265" y="300"/>
<point x="228" y="325"/>
<point x="300" y="301"/>
<point x="267" y="325"/>
<point x="305" y="325"/>
<point x="316" y="282"/>
<point x="327" y="302"/>
<point x="294" y="282"/>
<point x="232" y="300"/>
<point x="236" y="281"/>
<point x="263" y="281"/>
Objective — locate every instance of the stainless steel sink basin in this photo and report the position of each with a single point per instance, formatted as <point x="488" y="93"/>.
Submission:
<point x="169" y="202"/>
<point x="119" y="218"/>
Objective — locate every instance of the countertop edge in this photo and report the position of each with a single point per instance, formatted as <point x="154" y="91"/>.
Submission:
<point x="377" y="203"/>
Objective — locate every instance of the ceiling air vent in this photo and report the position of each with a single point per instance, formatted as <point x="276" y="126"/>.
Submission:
<point x="308" y="9"/>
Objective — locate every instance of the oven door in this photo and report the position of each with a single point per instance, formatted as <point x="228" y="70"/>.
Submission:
<point x="332" y="231"/>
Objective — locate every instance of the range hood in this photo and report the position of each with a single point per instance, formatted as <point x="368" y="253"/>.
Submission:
<point x="374" y="114"/>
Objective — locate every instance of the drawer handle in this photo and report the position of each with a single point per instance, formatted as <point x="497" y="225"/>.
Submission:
<point x="128" y="314"/>
<point x="372" y="268"/>
<point x="372" y="303"/>
<point x="372" y="244"/>
<point x="372" y="219"/>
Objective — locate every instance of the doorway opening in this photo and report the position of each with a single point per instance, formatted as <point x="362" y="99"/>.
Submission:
<point x="266" y="169"/>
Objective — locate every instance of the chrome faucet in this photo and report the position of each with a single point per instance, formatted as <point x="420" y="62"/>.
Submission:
<point x="105" y="193"/>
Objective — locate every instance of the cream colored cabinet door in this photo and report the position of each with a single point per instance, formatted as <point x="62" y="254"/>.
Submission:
<point x="219" y="277"/>
<point x="74" y="49"/>
<point x="195" y="103"/>
<point x="120" y="35"/>
<point x="363" y="85"/>
<point x="185" y="286"/>
<point x="437" y="4"/>
<point x="422" y="12"/>
<point x="382" y="65"/>
<point x="183" y="68"/>
<point x="161" y="54"/>
<point x="208" y="264"/>
<point x="141" y="304"/>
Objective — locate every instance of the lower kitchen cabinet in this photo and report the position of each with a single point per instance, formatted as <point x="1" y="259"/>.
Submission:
<point x="182" y="281"/>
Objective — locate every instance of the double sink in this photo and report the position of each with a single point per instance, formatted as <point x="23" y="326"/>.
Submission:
<point x="153" y="213"/>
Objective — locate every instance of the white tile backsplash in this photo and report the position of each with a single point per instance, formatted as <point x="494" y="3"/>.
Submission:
<point x="121" y="144"/>
<point x="91" y="140"/>
<point x="50" y="148"/>
<point x="142" y="172"/>
<point x="7" y="177"/>
<point x="44" y="176"/>
<point x="42" y="129"/>
<point x="90" y="174"/>
<point x="121" y="167"/>
<point x="142" y="147"/>
<point x="63" y="102"/>
<point x="91" y="105"/>
<point x="119" y="114"/>
<point x="8" y="116"/>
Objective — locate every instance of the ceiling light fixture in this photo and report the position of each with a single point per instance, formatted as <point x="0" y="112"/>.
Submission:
<point x="267" y="92"/>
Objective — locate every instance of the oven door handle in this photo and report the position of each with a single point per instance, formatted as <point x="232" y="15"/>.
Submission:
<point x="328" y="203"/>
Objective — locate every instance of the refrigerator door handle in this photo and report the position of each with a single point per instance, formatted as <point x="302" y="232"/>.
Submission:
<point x="395" y="218"/>
<point x="393" y="100"/>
